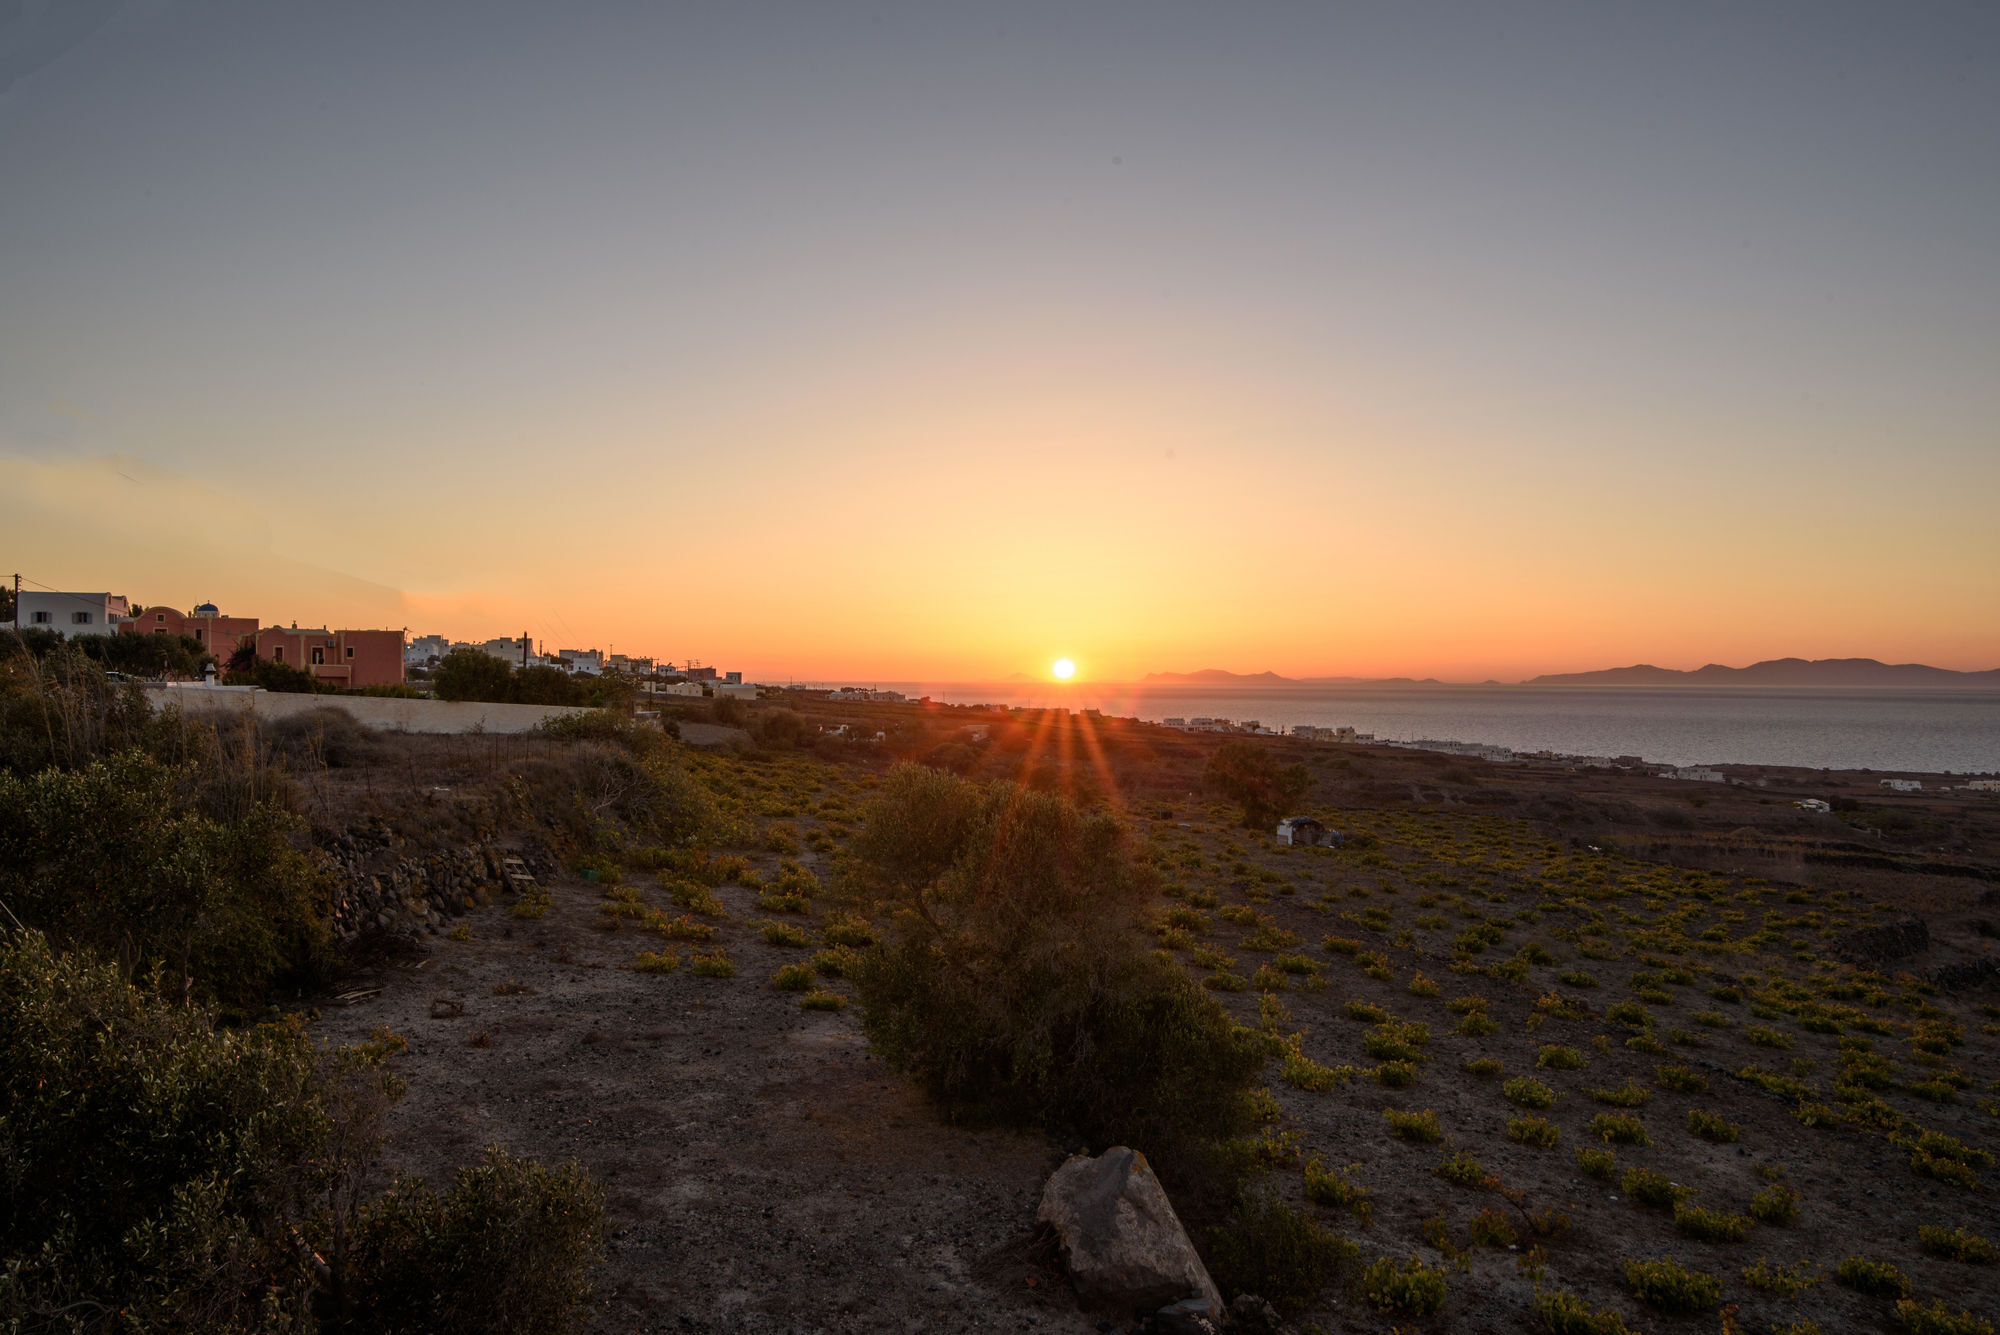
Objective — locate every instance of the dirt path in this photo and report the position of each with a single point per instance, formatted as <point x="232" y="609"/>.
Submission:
<point x="763" y="1172"/>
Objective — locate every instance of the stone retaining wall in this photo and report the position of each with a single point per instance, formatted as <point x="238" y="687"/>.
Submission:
<point x="415" y="896"/>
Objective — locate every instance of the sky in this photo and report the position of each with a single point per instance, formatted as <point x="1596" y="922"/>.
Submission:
<point x="935" y="342"/>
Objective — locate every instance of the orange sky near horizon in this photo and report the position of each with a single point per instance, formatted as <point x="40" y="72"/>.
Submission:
<point x="898" y="344"/>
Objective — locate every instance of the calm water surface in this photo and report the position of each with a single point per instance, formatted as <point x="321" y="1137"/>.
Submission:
<point x="1929" y="731"/>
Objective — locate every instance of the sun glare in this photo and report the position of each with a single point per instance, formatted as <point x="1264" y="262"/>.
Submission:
<point x="1064" y="669"/>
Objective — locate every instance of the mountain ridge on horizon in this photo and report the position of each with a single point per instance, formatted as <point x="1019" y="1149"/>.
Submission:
<point x="1768" y="672"/>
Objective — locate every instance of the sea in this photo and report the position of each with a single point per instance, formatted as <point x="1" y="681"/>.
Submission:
<point x="1923" y="731"/>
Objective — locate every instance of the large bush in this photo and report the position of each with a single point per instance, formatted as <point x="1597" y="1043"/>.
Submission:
<point x="162" y="1175"/>
<point x="1249" y="775"/>
<point x="1019" y="984"/>
<point x="119" y="856"/>
<point x="152" y="1166"/>
<point x="509" y="1248"/>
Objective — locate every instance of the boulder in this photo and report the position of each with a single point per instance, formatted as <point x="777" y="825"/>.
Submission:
<point x="1120" y="1238"/>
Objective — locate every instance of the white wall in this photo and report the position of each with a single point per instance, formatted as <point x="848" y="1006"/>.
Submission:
<point x="376" y="711"/>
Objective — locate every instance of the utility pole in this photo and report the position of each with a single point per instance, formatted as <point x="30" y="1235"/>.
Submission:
<point x="524" y="651"/>
<point x="17" y="602"/>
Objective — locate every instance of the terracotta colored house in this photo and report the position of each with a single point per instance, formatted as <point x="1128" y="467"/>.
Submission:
<point x="205" y="624"/>
<point x="340" y="657"/>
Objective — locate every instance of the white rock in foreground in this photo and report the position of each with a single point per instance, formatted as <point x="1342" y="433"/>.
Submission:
<point x="1120" y="1237"/>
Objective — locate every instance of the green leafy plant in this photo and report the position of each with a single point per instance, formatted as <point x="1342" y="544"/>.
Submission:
<point x="1785" y="1281"/>
<point x="1956" y="1244"/>
<point x="1408" y="1288"/>
<point x="1560" y="1312"/>
<point x="1934" y="1318"/>
<point x="1419" y="1127"/>
<point x="1538" y="1132"/>
<point x="1619" y="1129"/>
<point x="1598" y="1163"/>
<point x="1878" y="1279"/>
<point x="1555" y="1057"/>
<point x="1631" y="1094"/>
<point x="1710" y="1225"/>
<point x="1713" y="1127"/>
<point x="1671" y="1287"/>
<point x="1650" y="1187"/>
<point x="1775" y="1204"/>
<point x="1680" y="1079"/>
<point x="1528" y="1092"/>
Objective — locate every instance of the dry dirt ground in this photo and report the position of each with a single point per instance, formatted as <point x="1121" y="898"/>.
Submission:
<point x="763" y="1173"/>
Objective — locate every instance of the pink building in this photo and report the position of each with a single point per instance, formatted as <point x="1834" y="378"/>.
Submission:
<point x="213" y="631"/>
<point x="338" y="657"/>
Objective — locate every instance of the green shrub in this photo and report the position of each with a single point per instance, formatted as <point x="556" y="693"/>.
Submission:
<point x="1408" y="1288"/>
<point x="846" y="929"/>
<point x="1956" y="1244"/>
<point x="1491" y="1228"/>
<point x="1477" y="1025"/>
<point x="1539" y="1132"/>
<point x="1396" y="1075"/>
<point x="1560" y="1312"/>
<point x="1713" y="1127"/>
<point x="1649" y="1187"/>
<point x="1710" y="1225"/>
<point x="1786" y="1282"/>
<point x="162" y="865"/>
<point x="777" y="933"/>
<point x="1528" y="1092"/>
<point x="1598" y="1163"/>
<point x="715" y="964"/>
<point x="1486" y="1068"/>
<point x="1021" y="985"/>
<point x="1619" y="1129"/>
<point x="1302" y="1072"/>
<point x="1672" y="1287"/>
<point x="1420" y="1127"/>
<point x="1680" y="1079"/>
<point x="1555" y="1057"/>
<point x="1461" y="1169"/>
<point x="1631" y="1094"/>
<point x="1367" y="1011"/>
<point x="186" y="1178"/>
<point x="664" y="961"/>
<point x="793" y="978"/>
<point x="1934" y="1318"/>
<point x="1775" y="1204"/>
<point x="820" y="999"/>
<point x="1765" y="1037"/>
<point x="1630" y="1014"/>
<point x="1878" y="1279"/>
<point x="1279" y="1253"/>
<point x="508" y="1249"/>
<point x="1396" y="1041"/>
<point x="1324" y="1187"/>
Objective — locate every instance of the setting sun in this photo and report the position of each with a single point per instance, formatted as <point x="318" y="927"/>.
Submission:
<point x="1064" y="669"/>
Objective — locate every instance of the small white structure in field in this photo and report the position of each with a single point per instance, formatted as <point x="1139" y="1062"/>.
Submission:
<point x="1306" y="831"/>
<point x="1813" y="804"/>
<point x="1903" y="785"/>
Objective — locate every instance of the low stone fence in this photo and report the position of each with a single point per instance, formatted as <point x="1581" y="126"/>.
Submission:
<point x="414" y="896"/>
<point x="385" y="713"/>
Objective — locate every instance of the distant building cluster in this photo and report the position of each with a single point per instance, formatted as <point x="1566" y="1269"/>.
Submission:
<point x="655" y="676"/>
<point x="336" y="657"/>
<point x="862" y="695"/>
<point x="1203" y="723"/>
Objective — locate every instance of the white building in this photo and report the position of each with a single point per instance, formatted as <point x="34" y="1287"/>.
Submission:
<point x="72" y="614"/>
<point x="587" y="661"/>
<point x="423" y="648"/>
<point x="1983" y="785"/>
<point x="1903" y="785"/>
<point x="735" y="690"/>
<point x="1820" y="805"/>
<point x="689" y="688"/>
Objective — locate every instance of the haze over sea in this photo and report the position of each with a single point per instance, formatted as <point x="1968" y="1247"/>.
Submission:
<point x="1932" y="731"/>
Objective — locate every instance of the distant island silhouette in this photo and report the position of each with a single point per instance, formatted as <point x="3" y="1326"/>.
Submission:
<point x="1770" y="672"/>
